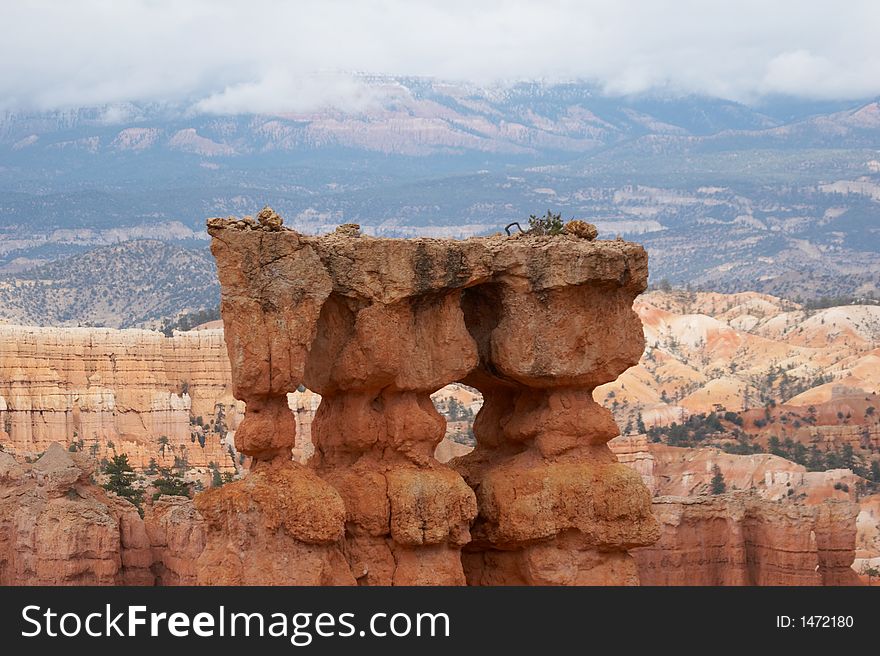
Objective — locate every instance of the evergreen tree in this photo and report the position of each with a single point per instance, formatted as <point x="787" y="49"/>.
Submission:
<point x="717" y="484"/>
<point x="833" y="459"/>
<point x="640" y="424"/>
<point x="121" y="478"/>
<point x="181" y="464"/>
<point x="799" y="454"/>
<point x="815" y="461"/>
<point x="216" y="478"/>
<point x="171" y="484"/>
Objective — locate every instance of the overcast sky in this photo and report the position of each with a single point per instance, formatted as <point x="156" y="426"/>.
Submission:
<point x="256" y="55"/>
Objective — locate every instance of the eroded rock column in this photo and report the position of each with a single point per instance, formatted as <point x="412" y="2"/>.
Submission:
<point x="556" y="508"/>
<point x="407" y="515"/>
<point x="375" y="326"/>
<point x="281" y="524"/>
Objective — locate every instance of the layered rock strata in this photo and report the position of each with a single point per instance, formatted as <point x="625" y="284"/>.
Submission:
<point x="176" y="534"/>
<point x="59" y="528"/>
<point x="108" y="391"/>
<point x="741" y="539"/>
<point x="375" y="326"/>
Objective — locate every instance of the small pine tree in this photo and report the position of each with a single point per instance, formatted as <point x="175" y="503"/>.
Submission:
<point x="816" y="460"/>
<point x="121" y="478"/>
<point x="181" y="464"/>
<point x="717" y="484"/>
<point x="640" y="424"/>
<point x="216" y="478"/>
<point x="171" y="484"/>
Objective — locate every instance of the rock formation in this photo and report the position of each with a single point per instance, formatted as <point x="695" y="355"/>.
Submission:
<point x="176" y="534"/>
<point x="375" y="326"/>
<point x="111" y="391"/>
<point x="682" y="471"/>
<point x="740" y="539"/>
<point x="59" y="528"/>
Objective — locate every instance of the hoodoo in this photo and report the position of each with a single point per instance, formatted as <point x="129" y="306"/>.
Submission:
<point x="375" y="326"/>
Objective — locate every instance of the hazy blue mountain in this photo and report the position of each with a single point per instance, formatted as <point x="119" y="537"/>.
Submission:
<point x="781" y="196"/>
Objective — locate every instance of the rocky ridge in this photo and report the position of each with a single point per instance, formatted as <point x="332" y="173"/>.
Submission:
<point x="59" y="528"/>
<point x="105" y="391"/>
<point x="375" y="326"/>
<point x="741" y="539"/>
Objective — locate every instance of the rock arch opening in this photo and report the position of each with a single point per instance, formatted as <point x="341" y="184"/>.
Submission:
<point x="376" y="326"/>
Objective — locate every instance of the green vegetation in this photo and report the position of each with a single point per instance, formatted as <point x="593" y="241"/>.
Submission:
<point x="817" y="459"/>
<point x="218" y="479"/>
<point x="458" y="411"/>
<point x="170" y="483"/>
<point x="220" y="418"/>
<point x="835" y="301"/>
<point x="181" y="464"/>
<point x="777" y="384"/>
<point x="717" y="484"/>
<point x="694" y="430"/>
<point x="549" y="224"/>
<point x="121" y="479"/>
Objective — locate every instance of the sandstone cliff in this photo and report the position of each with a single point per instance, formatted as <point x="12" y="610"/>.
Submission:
<point x="59" y="528"/>
<point x="176" y="534"/>
<point x="677" y="471"/>
<point x="377" y="325"/>
<point x="107" y="391"/>
<point x="741" y="539"/>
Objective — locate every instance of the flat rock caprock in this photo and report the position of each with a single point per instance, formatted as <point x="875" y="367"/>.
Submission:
<point x="375" y="326"/>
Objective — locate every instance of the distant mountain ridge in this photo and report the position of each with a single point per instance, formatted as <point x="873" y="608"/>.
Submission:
<point x="419" y="117"/>
<point x="135" y="283"/>
<point x="783" y="196"/>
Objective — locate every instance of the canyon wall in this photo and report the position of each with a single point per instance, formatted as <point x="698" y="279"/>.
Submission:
<point x="377" y="325"/>
<point x="679" y="471"/>
<point x="59" y="528"/>
<point x="740" y="539"/>
<point x="105" y="391"/>
<point x="176" y="534"/>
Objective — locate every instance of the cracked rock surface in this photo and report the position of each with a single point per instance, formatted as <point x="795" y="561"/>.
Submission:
<point x="377" y="325"/>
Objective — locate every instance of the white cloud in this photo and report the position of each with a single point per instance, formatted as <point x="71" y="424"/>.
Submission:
<point x="277" y="90"/>
<point x="258" y="55"/>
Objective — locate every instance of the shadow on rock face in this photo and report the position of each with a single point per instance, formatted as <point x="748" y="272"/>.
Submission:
<point x="375" y="326"/>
